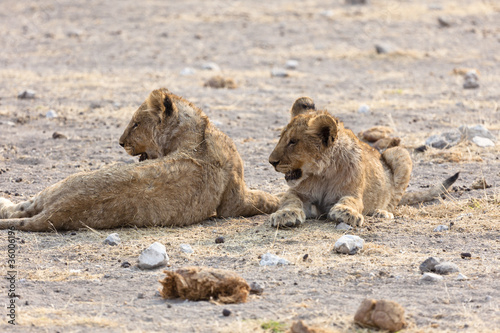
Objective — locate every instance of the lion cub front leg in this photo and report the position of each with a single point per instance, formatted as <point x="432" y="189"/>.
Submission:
<point x="347" y="210"/>
<point x="291" y="212"/>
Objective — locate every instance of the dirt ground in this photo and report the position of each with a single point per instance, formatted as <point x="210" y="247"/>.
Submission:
<point x="94" y="62"/>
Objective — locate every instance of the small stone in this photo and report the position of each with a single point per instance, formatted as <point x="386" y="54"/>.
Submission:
<point x="482" y="142"/>
<point x="471" y="80"/>
<point x="445" y="268"/>
<point x="349" y="244"/>
<point x="57" y="135"/>
<point x="385" y="48"/>
<point x="429" y="264"/>
<point x="343" y="226"/>
<point x="256" y="289"/>
<point x="112" y="239"/>
<point x="211" y="66"/>
<point x="27" y="94"/>
<point x="188" y="71"/>
<point x="356" y="2"/>
<point x="305" y="257"/>
<point x="107" y="276"/>
<point x="95" y="105"/>
<point x="469" y="132"/>
<point x="270" y="259"/>
<point x="140" y="296"/>
<point x="186" y="248"/>
<point x="441" y="228"/>
<point x="291" y="64"/>
<point x="444" y="140"/>
<point x="219" y="240"/>
<point x="461" y="277"/>
<point x="74" y="33"/>
<point x="431" y="277"/>
<point x="480" y="184"/>
<point x="465" y="255"/>
<point x="226" y="312"/>
<point x="125" y="264"/>
<point x="488" y="298"/>
<point x="51" y="114"/>
<point x="279" y="72"/>
<point x="364" y="109"/>
<point x="445" y="22"/>
<point x="154" y="256"/>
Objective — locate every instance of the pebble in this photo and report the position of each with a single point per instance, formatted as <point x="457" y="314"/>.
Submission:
<point x="270" y="259"/>
<point x="226" y="312"/>
<point x="431" y="277"/>
<point x="445" y="22"/>
<point x="112" y="239"/>
<point x="461" y="277"/>
<point x="219" y="240"/>
<point x="364" y="109"/>
<point x="27" y="94"/>
<point x="210" y="66"/>
<point x="279" y="72"/>
<point x="256" y="289"/>
<point x="154" y="256"/>
<point x="444" y="140"/>
<point x="429" y="264"/>
<point x="471" y="80"/>
<point x="356" y="2"/>
<point x="186" y="248"/>
<point x="441" y="228"/>
<point x="465" y="255"/>
<point x="291" y="64"/>
<point x="384" y="48"/>
<point x="482" y="142"/>
<point x="446" y="268"/>
<point x="126" y="264"/>
<point x="51" y="114"/>
<point x="343" y="226"/>
<point x="188" y="71"/>
<point x="57" y="135"/>
<point x="349" y="244"/>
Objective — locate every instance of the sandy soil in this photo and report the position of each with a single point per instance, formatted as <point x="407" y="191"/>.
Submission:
<point x="93" y="63"/>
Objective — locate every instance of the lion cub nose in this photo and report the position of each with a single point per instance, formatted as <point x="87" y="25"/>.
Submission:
<point x="274" y="163"/>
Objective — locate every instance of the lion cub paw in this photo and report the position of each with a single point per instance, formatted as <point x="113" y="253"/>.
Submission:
<point x="383" y="214"/>
<point x="288" y="218"/>
<point x="342" y="213"/>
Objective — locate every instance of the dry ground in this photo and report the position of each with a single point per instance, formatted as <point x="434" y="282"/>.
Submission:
<point x="94" y="62"/>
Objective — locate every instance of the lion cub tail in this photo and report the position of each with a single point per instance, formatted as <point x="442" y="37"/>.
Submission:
<point x="430" y="194"/>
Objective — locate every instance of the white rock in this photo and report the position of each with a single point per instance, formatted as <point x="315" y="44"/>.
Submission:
<point x="343" y="226"/>
<point x="51" y="114"/>
<point x="429" y="264"/>
<point x="477" y="130"/>
<point x="349" y="244"/>
<point x="186" y="248"/>
<point x="154" y="256"/>
<point x="270" y="259"/>
<point x="471" y="80"/>
<point x="279" y="72"/>
<point x="291" y="64"/>
<point x="383" y="48"/>
<point x="27" y="94"/>
<point x="364" y="109"/>
<point x="441" y="228"/>
<point x="188" y="71"/>
<point x="431" y="277"/>
<point x="483" y="142"/>
<point x="461" y="277"/>
<point x="446" y="268"/>
<point x="211" y="66"/>
<point x="112" y="239"/>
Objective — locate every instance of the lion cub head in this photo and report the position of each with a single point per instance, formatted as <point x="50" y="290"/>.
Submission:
<point x="303" y="142"/>
<point x="151" y="125"/>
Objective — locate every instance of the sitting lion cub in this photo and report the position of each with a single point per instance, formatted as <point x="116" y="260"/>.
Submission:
<point x="332" y="173"/>
<point x="190" y="172"/>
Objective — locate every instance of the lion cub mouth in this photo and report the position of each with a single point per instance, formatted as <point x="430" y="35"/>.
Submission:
<point x="143" y="157"/>
<point x="293" y="175"/>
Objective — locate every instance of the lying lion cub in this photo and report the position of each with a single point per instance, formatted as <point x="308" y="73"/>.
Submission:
<point x="332" y="173"/>
<point x="192" y="172"/>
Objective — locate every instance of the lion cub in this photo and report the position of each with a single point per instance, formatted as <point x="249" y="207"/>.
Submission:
<point x="332" y="173"/>
<point x="189" y="172"/>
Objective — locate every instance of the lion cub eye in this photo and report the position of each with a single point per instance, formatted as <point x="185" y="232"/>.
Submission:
<point x="292" y="142"/>
<point x="135" y="125"/>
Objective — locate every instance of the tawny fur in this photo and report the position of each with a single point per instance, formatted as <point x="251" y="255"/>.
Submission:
<point x="192" y="171"/>
<point x="331" y="173"/>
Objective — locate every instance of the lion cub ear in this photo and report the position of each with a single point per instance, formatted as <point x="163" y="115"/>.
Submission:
<point x="161" y="101"/>
<point x="325" y="127"/>
<point x="302" y="105"/>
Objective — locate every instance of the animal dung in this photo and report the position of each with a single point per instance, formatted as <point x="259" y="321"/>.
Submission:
<point x="204" y="283"/>
<point x="381" y="314"/>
